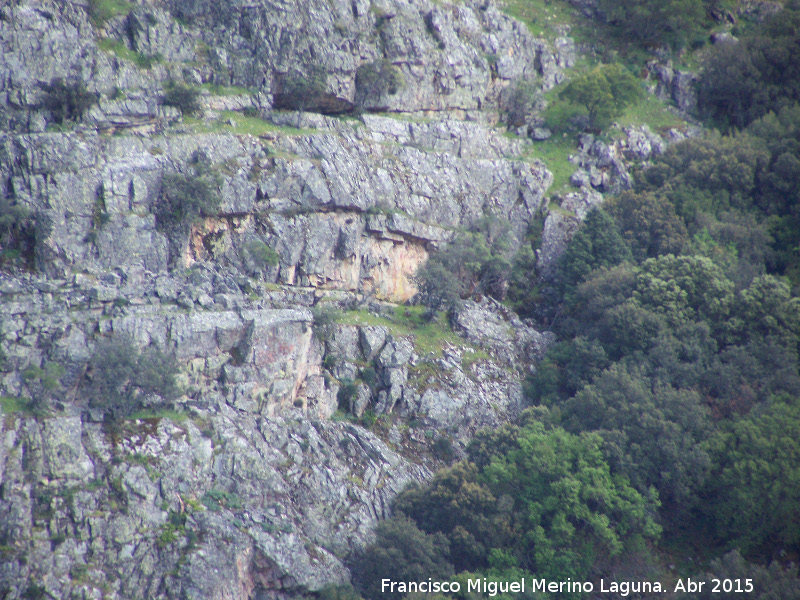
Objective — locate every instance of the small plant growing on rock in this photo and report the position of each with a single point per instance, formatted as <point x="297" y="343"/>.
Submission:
<point x="258" y="256"/>
<point x="347" y="393"/>
<point x="101" y="11"/>
<point x="182" y="96"/>
<point x="43" y="382"/>
<point x="184" y="199"/>
<point x="302" y="91"/>
<point x="67" y="100"/>
<point x="325" y="318"/>
<point x="375" y="80"/>
<point x="16" y="231"/>
<point x="522" y="99"/>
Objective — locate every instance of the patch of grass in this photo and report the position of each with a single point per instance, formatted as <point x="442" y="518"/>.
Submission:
<point x="429" y="335"/>
<point x="555" y="153"/>
<point x="225" y="90"/>
<point x="243" y="125"/>
<point x="12" y="406"/>
<point x="541" y="16"/>
<point x="470" y="358"/>
<point x="118" y="48"/>
<point x="143" y="415"/>
<point x="101" y="11"/>
<point x="653" y="112"/>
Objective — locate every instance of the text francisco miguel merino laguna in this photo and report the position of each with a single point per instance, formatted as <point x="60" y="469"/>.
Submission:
<point x="492" y="588"/>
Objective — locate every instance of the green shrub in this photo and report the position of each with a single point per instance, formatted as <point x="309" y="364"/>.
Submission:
<point x="347" y="393"/>
<point x="49" y="377"/>
<point x="120" y="377"/>
<point x="325" y="318"/>
<point x="43" y="382"/>
<point x="17" y="232"/>
<point x="302" y="91"/>
<point x="184" y="199"/>
<point x="474" y="262"/>
<point x="182" y="96"/>
<point x="660" y="22"/>
<point x="215" y="499"/>
<point x="375" y="80"/>
<point x="443" y="449"/>
<point x="67" y="100"/>
<point x="523" y="99"/>
<point x="257" y="255"/>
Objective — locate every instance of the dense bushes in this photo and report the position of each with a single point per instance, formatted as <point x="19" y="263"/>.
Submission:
<point x="540" y="501"/>
<point x="769" y="583"/>
<point x="475" y="262"/>
<point x="744" y="81"/>
<point x="680" y="349"/>
<point x="675" y="23"/>
<point x="402" y="552"/>
<point x="121" y="379"/>
<point x="67" y="100"/>
<point x="754" y="490"/>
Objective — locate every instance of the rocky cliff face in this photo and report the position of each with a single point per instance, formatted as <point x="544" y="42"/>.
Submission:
<point x="251" y="485"/>
<point x="292" y="432"/>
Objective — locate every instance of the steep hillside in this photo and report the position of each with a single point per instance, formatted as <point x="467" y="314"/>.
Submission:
<point x="215" y="376"/>
<point x="204" y="227"/>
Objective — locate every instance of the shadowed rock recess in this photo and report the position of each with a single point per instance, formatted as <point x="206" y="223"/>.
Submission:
<point x="217" y="228"/>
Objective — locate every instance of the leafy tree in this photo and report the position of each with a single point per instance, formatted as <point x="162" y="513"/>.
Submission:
<point x="707" y="175"/>
<point x="753" y="495"/>
<point x="605" y="92"/>
<point x="650" y="432"/>
<point x="767" y="309"/>
<point x="684" y="289"/>
<point x="571" y="510"/>
<point x="596" y="244"/>
<point x="649" y="224"/>
<point x="401" y="552"/>
<point x="522" y="289"/>
<point x="544" y="500"/>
